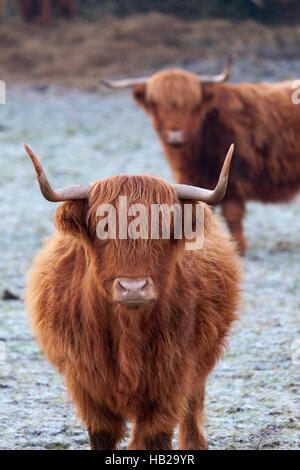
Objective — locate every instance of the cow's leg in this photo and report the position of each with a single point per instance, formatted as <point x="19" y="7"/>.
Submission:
<point x="105" y="427"/>
<point x="233" y="211"/>
<point x="145" y="438"/>
<point x="153" y="431"/>
<point x="103" y="440"/>
<point x="190" y="434"/>
<point x="45" y="12"/>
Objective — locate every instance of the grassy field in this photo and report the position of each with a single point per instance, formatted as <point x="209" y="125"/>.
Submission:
<point x="79" y="53"/>
<point x="83" y="133"/>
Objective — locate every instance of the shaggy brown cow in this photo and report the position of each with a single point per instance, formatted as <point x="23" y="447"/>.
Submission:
<point x="197" y="117"/>
<point x="41" y="10"/>
<point x="135" y="326"/>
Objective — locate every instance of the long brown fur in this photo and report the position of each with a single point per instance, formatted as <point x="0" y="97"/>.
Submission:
<point x="147" y="365"/>
<point x="260" y="119"/>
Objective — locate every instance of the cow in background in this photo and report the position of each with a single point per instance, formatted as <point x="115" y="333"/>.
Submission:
<point x="196" y="117"/>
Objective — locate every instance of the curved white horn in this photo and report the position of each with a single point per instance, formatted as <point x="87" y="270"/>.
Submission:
<point x="79" y="191"/>
<point x="221" y="77"/>
<point x="184" y="191"/>
<point x="125" y="83"/>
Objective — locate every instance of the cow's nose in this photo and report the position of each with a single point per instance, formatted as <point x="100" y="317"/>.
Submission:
<point x="133" y="291"/>
<point x="175" y="136"/>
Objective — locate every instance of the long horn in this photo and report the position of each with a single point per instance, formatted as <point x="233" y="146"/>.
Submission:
<point x="130" y="82"/>
<point x="126" y="83"/>
<point x="221" y="77"/>
<point x="79" y="191"/>
<point x="214" y="196"/>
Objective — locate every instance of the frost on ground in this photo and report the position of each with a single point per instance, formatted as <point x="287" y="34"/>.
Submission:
<point x="253" y="394"/>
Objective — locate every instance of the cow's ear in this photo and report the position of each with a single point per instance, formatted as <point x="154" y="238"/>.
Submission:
<point x="70" y="218"/>
<point x="139" y="94"/>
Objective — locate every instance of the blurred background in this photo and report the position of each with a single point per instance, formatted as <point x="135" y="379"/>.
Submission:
<point x="52" y="62"/>
<point x="110" y="37"/>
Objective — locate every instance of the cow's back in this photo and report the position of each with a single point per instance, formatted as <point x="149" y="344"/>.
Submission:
<point x="264" y="123"/>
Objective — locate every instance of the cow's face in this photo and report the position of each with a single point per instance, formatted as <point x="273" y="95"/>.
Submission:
<point x="174" y="100"/>
<point x="133" y="230"/>
<point x="131" y="273"/>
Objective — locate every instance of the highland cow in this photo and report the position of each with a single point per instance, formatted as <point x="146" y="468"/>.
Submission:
<point x="196" y="117"/>
<point x="134" y="325"/>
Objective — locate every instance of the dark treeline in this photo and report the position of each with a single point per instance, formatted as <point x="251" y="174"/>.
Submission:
<point x="268" y="11"/>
